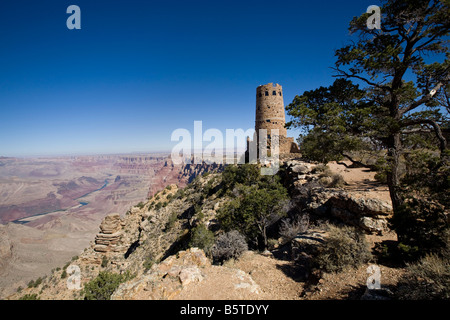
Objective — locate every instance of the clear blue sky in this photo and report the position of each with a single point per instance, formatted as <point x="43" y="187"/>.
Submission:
<point x="138" y="70"/>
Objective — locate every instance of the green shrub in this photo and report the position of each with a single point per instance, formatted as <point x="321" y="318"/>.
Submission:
<point x="104" y="262"/>
<point x="35" y="284"/>
<point x="382" y="168"/>
<point x="202" y="238"/>
<point x="33" y="296"/>
<point x="148" y="263"/>
<point x="344" y="247"/>
<point x="337" y="181"/>
<point x="198" y="212"/>
<point x="420" y="225"/>
<point x="254" y="209"/>
<point x="329" y="179"/>
<point x="104" y="285"/>
<point x="140" y="205"/>
<point x="321" y="168"/>
<point x="171" y="222"/>
<point x="246" y="174"/>
<point x="158" y="206"/>
<point x="179" y="194"/>
<point x="428" y="279"/>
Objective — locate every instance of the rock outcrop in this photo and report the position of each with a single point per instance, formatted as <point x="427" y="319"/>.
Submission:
<point x="180" y="174"/>
<point x="366" y="213"/>
<point x="166" y="279"/>
<point x="174" y="276"/>
<point x="110" y="235"/>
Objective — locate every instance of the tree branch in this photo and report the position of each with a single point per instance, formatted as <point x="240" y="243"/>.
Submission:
<point x="356" y="163"/>
<point x="416" y="130"/>
<point x="434" y="124"/>
<point x="343" y="73"/>
<point x="425" y="98"/>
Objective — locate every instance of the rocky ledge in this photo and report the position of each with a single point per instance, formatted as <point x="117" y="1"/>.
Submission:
<point x="174" y="276"/>
<point x="311" y="195"/>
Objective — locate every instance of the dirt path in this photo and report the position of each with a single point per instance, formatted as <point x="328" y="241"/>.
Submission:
<point x="361" y="182"/>
<point x="252" y="277"/>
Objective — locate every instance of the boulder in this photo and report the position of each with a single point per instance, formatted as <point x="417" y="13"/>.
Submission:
<point x="246" y="282"/>
<point x="190" y="275"/>
<point x="367" y="213"/>
<point x="373" y="225"/>
<point x="300" y="168"/>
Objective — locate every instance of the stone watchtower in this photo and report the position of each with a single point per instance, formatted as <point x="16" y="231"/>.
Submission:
<point x="270" y="109"/>
<point x="270" y="115"/>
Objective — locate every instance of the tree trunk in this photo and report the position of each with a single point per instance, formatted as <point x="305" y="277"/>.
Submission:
<point x="265" y="238"/>
<point x="393" y="176"/>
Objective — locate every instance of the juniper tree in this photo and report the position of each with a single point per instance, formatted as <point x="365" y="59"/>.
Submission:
<point x="391" y="85"/>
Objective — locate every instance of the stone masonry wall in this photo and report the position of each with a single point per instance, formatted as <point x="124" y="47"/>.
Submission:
<point x="270" y="108"/>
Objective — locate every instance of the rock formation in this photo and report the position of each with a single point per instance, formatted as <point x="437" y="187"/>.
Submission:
<point x="180" y="174"/>
<point x="110" y="235"/>
<point x="367" y="213"/>
<point x="167" y="279"/>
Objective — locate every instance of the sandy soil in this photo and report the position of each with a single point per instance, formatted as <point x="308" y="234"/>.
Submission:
<point x="360" y="181"/>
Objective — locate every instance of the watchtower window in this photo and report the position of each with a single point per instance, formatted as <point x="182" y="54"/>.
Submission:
<point x="260" y="94"/>
<point x="280" y="93"/>
<point x="268" y="121"/>
<point x="267" y="93"/>
<point x="274" y="93"/>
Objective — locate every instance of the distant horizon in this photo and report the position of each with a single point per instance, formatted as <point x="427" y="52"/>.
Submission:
<point x="63" y="155"/>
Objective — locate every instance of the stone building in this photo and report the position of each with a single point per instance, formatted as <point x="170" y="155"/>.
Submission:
<point x="270" y="115"/>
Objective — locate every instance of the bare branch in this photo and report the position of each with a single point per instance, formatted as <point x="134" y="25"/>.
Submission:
<point x="343" y="73"/>
<point x="358" y="163"/>
<point x="416" y="130"/>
